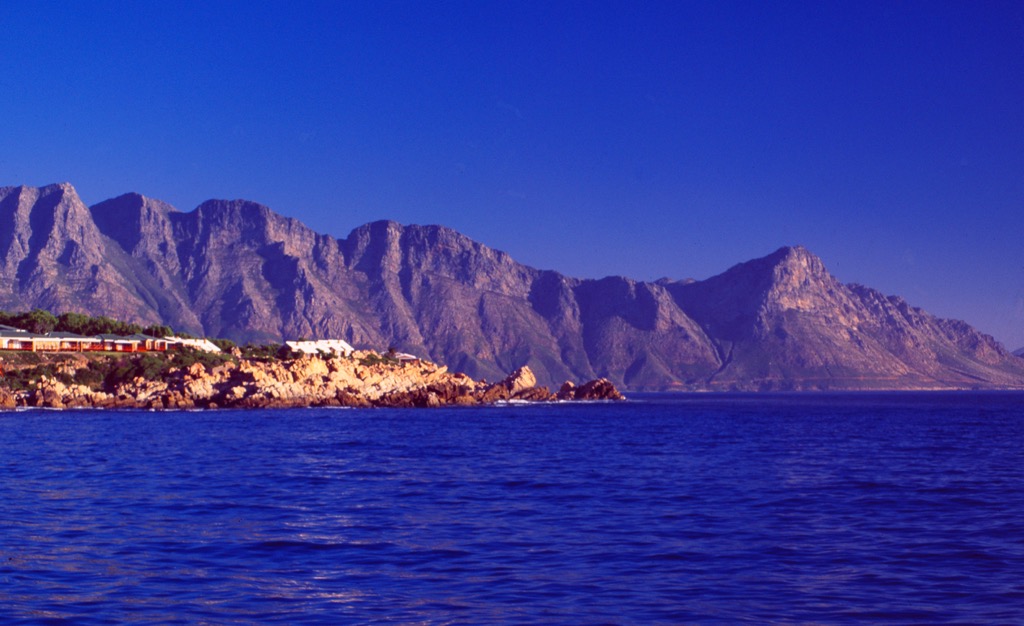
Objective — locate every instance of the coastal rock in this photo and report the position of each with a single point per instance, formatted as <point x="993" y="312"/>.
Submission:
<point x="346" y="397"/>
<point x="306" y="381"/>
<point x="520" y="380"/>
<point x="534" y="394"/>
<point x="600" y="389"/>
<point x="495" y="393"/>
<point x="567" y="391"/>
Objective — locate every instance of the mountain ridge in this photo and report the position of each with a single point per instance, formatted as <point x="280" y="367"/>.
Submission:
<point x="237" y="269"/>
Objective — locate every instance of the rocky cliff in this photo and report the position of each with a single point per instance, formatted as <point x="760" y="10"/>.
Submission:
<point x="364" y="379"/>
<point x="783" y="322"/>
<point x="237" y="269"/>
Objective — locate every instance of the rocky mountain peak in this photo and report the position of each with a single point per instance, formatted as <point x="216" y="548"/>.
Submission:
<point x="389" y="246"/>
<point x="232" y="211"/>
<point x="223" y="223"/>
<point x="789" y="278"/>
<point x="61" y="188"/>
<point x="236" y="269"/>
<point x="375" y="246"/>
<point x="799" y="281"/>
<point x="55" y="256"/>
<point x="50" y="224"/>
<point x="132" y="218"/>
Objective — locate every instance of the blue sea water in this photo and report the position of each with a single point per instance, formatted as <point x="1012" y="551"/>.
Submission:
<point x="894" y="508"/>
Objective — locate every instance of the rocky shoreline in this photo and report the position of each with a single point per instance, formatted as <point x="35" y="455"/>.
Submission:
<point x="364" y="379"/>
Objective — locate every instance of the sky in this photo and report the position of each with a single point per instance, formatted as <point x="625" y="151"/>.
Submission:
<point x="658" y="139"/>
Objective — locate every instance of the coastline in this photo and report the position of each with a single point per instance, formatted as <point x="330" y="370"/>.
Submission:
<point x="364" y="379"/>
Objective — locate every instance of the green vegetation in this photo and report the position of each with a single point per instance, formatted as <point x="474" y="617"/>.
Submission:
<point x="149" y="367"/>
<point x="287" y="354"/>
<point x="263" y="352"/>
<point x="86" y="325"/>
<point x="157" y="366"/>
<point x="374" y="359"/>
<point x="21" y="379"/>
<point x="22" y="359"/>
<point x="190" y="356"/>
<point x="41" y="322"/>
<point x="224" y="344"/>
<point x="157" y="330"/>
<point x="106" y="373"/>
<point x="34" y="321"/>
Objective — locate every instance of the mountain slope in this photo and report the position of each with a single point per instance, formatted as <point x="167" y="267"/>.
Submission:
<point x="237" y="269"/>
<point x="784" y="322"/>
<point x="54" y="256"/>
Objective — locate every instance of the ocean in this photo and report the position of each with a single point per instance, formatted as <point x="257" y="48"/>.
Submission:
<point x="667" y="509"/>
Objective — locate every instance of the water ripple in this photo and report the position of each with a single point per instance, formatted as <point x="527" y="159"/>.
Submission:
<point x="897" y="508"/>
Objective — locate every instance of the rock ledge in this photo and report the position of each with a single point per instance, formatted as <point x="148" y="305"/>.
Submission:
<point x="363" y="380"/>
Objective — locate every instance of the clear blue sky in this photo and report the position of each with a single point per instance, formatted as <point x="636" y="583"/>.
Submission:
<point x="595" y="138"/>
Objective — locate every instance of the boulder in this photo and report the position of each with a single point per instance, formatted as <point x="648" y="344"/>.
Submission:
<point x="494" y="393"/>
<point x="464" y="400"/>
<point x="600" y="389"/>
<point x="346" y="398"/>
<point x="567" y="391"/>
<point x="519" y="380"/>
<point x="535" y="394"/>
<point x="7" y="400"/>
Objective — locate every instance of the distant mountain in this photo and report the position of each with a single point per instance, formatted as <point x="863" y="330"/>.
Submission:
<point x="236" y="269"/>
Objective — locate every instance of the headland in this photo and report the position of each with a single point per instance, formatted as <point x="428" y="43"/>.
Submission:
<point x="190" y="380"/>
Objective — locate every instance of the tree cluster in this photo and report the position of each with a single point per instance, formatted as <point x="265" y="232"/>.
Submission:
<point x="40" y="321"/>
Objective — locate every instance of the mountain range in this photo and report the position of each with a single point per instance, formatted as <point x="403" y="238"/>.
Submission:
<point x="238" y="270"/>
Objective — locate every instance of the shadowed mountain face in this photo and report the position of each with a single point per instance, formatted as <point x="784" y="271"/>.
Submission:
<point x="236" y="269"/>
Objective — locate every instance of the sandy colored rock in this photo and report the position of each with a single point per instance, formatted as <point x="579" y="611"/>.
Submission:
<point x="307" y="381"/>
<point x="520" y="380"/>
<point x="600" y="389"/>
<point x="567" y="391"/>
<point x="7" y="400"/>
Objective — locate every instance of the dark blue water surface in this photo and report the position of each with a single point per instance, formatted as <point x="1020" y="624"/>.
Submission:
<point x="899" y="508"/>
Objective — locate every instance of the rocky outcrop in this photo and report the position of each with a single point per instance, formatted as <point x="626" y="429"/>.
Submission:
<point x="600" y="389"/>
<point x="364" y="380"/>
<point x="8" y="400"/>
<point x="520" y="380"/>
<point x="236" y="269"/>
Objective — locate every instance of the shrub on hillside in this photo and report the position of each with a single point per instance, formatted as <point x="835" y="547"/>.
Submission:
<point x="187" y="357"/>
<point x="224" y="344"/>
<point x="263" y="352"/>
<point x="88" y="325"/>
<point x="374" y="358"/>
<point x="148" y="366"/>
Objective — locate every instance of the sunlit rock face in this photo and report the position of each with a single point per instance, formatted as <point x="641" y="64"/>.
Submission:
<point x="784" y="322"/>
<point x="363" y="379"/>
<point x="236" y="269"/>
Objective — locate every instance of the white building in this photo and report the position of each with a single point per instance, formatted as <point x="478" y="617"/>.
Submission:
<point x="335" y="346"/>
<point x="204" y="345"/>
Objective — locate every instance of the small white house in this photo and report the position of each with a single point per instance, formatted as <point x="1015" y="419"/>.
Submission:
<point x="334" y="346"/>
<point x="204" y="345"/>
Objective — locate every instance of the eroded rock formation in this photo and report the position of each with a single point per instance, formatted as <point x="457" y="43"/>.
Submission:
<point x="364" y="380"/>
